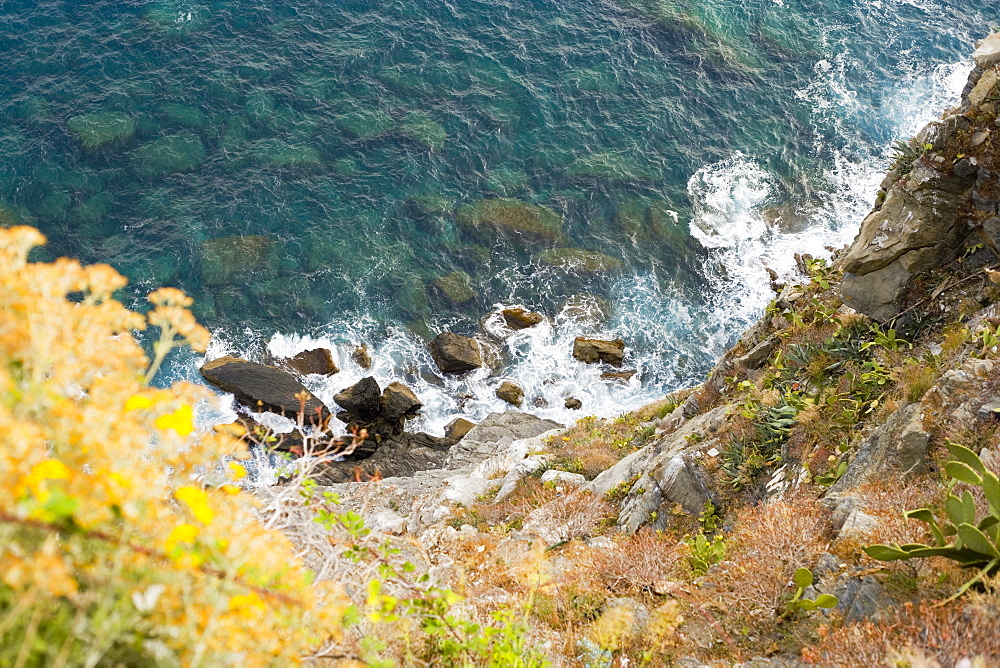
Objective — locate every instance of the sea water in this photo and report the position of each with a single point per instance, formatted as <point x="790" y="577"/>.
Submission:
<point x="336" y="146"/>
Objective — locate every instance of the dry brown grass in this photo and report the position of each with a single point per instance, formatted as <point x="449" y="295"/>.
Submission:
<point x="643" y="563"/>
<point x="939" y="636"/>
<point x="594" y="445"/>
<point x="767" y="544"/>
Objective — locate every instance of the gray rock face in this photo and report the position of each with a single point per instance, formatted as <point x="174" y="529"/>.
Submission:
<point x="912" y="232"/>
<point x="455" y="354"/>
<point x="496" y="431"/>
<point x="596" y="350"/>
<point x="898" y="446"/>
<point x="987" y="53"/>
<point x="262" y="387"/>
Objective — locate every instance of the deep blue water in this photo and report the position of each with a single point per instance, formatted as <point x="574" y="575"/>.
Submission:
<point x="345" y="137"/>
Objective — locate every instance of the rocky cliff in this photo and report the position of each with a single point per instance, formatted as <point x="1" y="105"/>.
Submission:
<point x="678" y="535"/>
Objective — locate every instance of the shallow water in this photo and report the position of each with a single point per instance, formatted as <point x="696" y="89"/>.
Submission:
<point x="696" y="142"/>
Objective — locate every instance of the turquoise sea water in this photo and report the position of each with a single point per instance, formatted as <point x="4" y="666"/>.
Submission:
<point x="343" y="143"/>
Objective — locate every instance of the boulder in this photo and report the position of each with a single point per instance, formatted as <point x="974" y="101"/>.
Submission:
<point x="518" y="318"/>
<point x="399" y="401"/>
<point x="984" y="89"/>
<point x="362" y="401"/>
<point x="317" y="361"/>
<point x="455" y="354"/>
<point x="987" y="53"/>
<point x="262" y="387"/>
<point x="458" y="428"/>
<point x="511" y="393"/>
<point x="513" y="216"/>
<point x="361" y="357"/>
<point x="620" y="376"/>
<point x="573" y="404"/>
<point x="597" y="350"/>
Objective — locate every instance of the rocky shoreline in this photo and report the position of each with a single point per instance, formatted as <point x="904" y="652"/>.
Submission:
<point x="832" y="416"/>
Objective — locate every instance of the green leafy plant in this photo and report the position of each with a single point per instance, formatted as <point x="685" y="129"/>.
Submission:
<point x="705" y="552"/>
<point x="887" y="338"/>
<point x="803" y="580"/>
<point x="958" y="536"/>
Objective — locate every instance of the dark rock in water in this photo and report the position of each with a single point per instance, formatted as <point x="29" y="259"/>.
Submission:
<point x="621" y="376"/>
<point x="510" y="393"/>
<point x="518" y="318"/>
<point x="455" y="354"/>
<point x="399" y="401"/>
<point x="402" y="455"/>
<point x="262" y="387"/>
<point x="579" y="260"/>
<point x="596" y="350"/>
<point x="573" y="404"/>
<point x="361" y="400"/>
<point x="458" y="428"/>
<point x="361" y="357"/>
<point x="316" y="361"/>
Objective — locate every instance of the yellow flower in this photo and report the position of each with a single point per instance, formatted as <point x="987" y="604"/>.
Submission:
<point x="197" y="502"/>
<point x="182" y="533"/>
<point x="238" y="470"/>
<point x="246" y="605"/>
<point x="181" y="421"/>
<point x="52" y="469"/>
<point x="138" y="402"/>
<point x="231" y="490"/>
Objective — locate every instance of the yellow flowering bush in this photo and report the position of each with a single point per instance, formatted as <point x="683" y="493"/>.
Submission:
<point x="111" y="550"/>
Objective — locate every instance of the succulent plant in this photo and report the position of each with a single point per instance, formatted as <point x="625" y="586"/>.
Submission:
<point x="959" y="536"/>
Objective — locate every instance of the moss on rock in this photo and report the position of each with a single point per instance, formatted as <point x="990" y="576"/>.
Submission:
<point x="513" y="215"/>
<point x="578" y="259"/>
<point x="102" y="130"/>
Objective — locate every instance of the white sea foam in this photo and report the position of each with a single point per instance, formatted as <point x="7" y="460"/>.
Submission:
<point x="680" y="334"/>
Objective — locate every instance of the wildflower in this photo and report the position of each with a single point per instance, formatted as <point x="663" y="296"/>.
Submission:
<point x="197" y="502"/>
<point x="181" y="421"/>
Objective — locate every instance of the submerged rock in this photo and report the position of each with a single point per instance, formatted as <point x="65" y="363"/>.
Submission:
<point x="620" y="376"/>
<point x="365" y="124"/>
<point x="515" y="216"/>
<point x="230" y="260"/>
<point x="597" y="350"/>
<point x="262" y="387"/>
<point x="102" y="130"/>
<point x="456" y="286"/>
<point x="518" y="318"/>
<point x="578" y="259"/>
<point x="177" y="153"/>
<point x="511" y="393"/>
<point x="423" y="129"/>
<point x="456" y="354"/>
